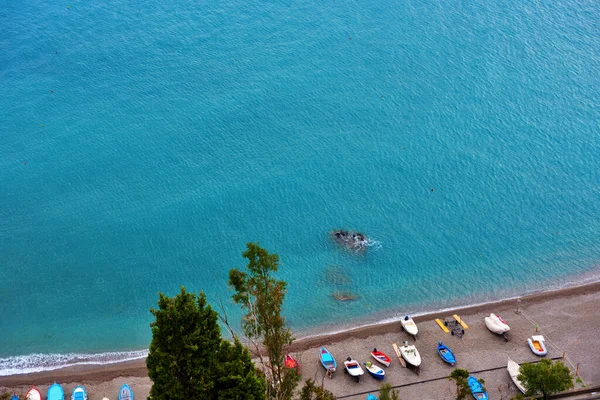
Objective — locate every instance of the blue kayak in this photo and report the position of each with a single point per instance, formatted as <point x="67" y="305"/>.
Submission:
<point x="55" y="392"/>
<point x="476" y="389"/>
<point x="446" y="354"/>
<point x="125" y="393"/>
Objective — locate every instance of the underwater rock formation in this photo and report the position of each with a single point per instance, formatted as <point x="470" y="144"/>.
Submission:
<point x="350" y="239"/>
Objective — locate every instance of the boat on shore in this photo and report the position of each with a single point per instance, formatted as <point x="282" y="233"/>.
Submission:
<point x="513" y="370"/>
<point x="352" y="367"/>
<point x="291" y="363"/>
<point x="55" y="392"/>
<point x="375" y="371"/>
<point x="408" y="325"/>
<point x="381" y="357"/>
<point x="79" y="393"/>
<point x="446" y="354"/>
<point x="537" y="346"/>
<point x="477" y="389"/>
<point x="125" y="393"/>
<point x="327" y="360"/>
<point x="496" y="324"/>
<point x="410" y="354"/>
<point x="371" y="397"/>
<point x="33" y="394"/>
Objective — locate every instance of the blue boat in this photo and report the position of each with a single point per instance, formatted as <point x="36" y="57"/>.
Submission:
<point x="371" y="397"/>
<point x="375" y="371"/>
<point x="477" y="389"/>
<point x="55" y="392"/>
<point x="125" y="393"/>
<point x="79" y="393"/>
<point x="446" y="354"/>
<point x="327" y="360"/>
<point x="14" y="397"/>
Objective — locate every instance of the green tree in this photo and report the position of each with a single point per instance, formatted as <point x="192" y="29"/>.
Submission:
<point x="310" y="391"/>
<point x="545" y="377"/>
<point x="461" y="379"/>
<point x="387" y="393"/>
<point x="261" y="296"/>
<point x="188" y="359"/>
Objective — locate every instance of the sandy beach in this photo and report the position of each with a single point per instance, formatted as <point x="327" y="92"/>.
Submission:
<point x="568" y="318"/>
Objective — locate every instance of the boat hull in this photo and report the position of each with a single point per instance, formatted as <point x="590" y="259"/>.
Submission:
<point x="327" y="360"/>
<point x="409" y="326"/>
<point x="513" y="371"/>
<point x="55" y="392"/>
<point x="496" y="325"/>
<point x="446" y="354"/>
<point x="476" y="389"/>
<point x="125" y="393"/>
<point x="537" y="346"/>
<point x="33" y="394"/>
<point x="411" y="355"/>
<point x="375" y="371"/>
<point x="381" y="358"/>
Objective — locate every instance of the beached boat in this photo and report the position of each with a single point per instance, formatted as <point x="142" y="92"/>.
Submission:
<point x="496" y="324"/>
<point x="125" y="393"/>
<point x="536" y="344"/>
<point x="446" y="354"/>
<point x="513" y="370"/>
<point x="352" y="367"/>
<point x="327" y="360"/>
<point x="409" y="325"/>
<point x="371" y="397"/>
<point x="375" y="371"/>
<point x="55" y="392"/>
<point x="477" y="389"/>
<point x="14" y="397"/>
<point x="291" y="363"/>
<point x="381" y="357"/>
<point x="33" y="394"/>
<point x="79" y="393"/>
<point x="410" y="354"/>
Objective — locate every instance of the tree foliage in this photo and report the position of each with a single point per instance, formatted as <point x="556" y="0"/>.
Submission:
<point x="545" y="377"/>
<point x="387" y="393"/>
<point x="310" y="391"/>
<point x="261" y="296"/>
<point x="461" y="379"/>
<point x="188" y="359"/>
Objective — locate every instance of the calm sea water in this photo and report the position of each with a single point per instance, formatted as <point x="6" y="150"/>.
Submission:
<point x="142" y="145"/>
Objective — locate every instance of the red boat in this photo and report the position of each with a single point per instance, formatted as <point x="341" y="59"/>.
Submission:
<point x="33" y="394"/>
<point x="291" y="363"/>
<point x="381" y="357"/>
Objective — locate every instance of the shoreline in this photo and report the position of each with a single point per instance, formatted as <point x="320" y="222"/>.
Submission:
<point x="90" y="374"/>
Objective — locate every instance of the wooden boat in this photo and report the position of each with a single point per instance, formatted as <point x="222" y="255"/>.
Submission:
<point x="537" y="346"/>
<point x="496" y="324"/>
<point x="352" y="367"/>
<point x="79" y="393"/>
<point x="477" y="389"/>
<point x="125" y="393"/>
<point x="33" y="394"/>
<point x="327" y="360"/>
<point x="513" y="370"/>
<point x="381" y="357"/>
<point x="409" y="326"/>
<point x="446" y="354"/>
<point x="410" y="354"/>
<point x="55" y="392"/>
<point x="375" y="371"/>
<point x="291" y="363"/>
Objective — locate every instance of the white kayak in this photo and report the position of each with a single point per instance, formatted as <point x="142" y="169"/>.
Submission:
<point x="410" y="354"/>
<point x="496" y="324"/>
<point x="537" y="346"/>
<point x="409" y="325"/>
<point x="513" y="371"/>
<point x="353" y="368"/>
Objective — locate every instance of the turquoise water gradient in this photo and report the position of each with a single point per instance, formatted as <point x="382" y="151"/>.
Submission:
<point x="177" y="132"/>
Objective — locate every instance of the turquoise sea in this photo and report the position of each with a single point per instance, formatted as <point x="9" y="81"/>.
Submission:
<point x="143" y="144"/>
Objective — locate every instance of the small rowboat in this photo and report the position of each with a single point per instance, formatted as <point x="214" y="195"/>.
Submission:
<point x="79" y="393"/>
<point x="125" y="393"/>
<point x="410" y="354"/>
<point x="513" y="371"/>
<point x="496" y="324"/>
<point x="381" y="357"/>
<point x="291" y="363"/>
<point x="536" y="344"/>
<point x="477" y="389"/>
<point x="375" y="371"/>
<point x="353" y="368"/>
<point x="327" y="360"/>
<point x="446" y="354"/>
<point x="55" y="392"/>
<point x="409" y="326"/>
<point x="33" y="394"/>
<point x="371" y="397"/>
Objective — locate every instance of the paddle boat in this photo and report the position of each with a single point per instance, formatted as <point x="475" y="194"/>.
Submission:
<point x="410" y="354"/>
<point x="291" y="363"/>
<point x="55" y="392"/>
<point x="477" y="389"/>
<point x="446" y="354"/>
<point x="125" y="393"/>
<point x="79" y="393"/>
<point x="33" y="394"/>
<point x="496" y="324"/>
<point x="352" y="367"/>
<point x="409" y="326"/>
<point x="327" y="361"/>
<point x="513" y="370"/>
<point x="381" y="357"/>
<point x="375" y="371"/>
<point x="371" y="397"/>
<point x="536" y="344"/>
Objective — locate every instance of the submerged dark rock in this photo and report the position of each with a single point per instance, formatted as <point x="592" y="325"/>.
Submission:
<point x="344" y="296"/>
<point x="350" y="239"/>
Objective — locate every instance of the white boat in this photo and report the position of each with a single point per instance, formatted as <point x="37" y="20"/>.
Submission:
<point x="513" y="371"/>
<point x="410" y="354"/>
<point x="536" y="344"/>
<point x="496" y="324"/>
<point x="33" y="394"/>
<point x="375" y="371"/>
<point x="353" y="368"/>
<point x="409" y="325"/>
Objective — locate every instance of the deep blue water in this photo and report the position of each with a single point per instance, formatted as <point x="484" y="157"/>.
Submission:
<point x="143" y="144"/>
